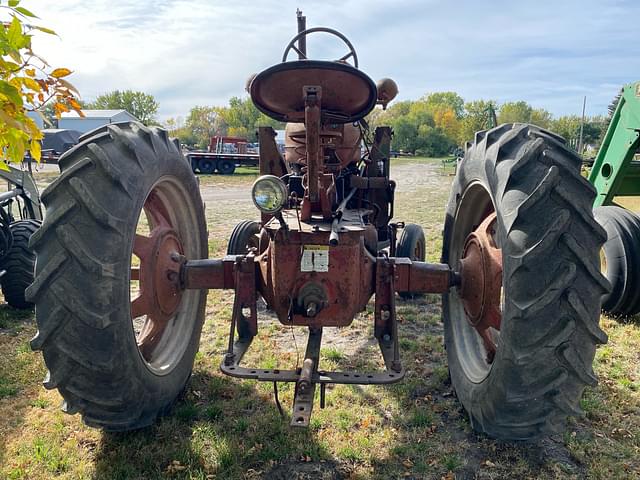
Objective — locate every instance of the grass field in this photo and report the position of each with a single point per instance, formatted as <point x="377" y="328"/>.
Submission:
<point x="229" y="429"/>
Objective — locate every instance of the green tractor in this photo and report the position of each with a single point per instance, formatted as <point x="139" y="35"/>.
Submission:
<point x="20" y="217"/>
<point x="616" y="176"/>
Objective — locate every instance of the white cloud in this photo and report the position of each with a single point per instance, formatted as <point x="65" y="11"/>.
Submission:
<point x="200" y="52"/>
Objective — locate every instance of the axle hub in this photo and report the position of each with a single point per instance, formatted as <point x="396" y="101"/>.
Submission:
<point x="160" y="256"/>
<point x="481" y="282"/>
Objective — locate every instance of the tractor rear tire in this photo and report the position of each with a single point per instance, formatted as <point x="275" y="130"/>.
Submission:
<point x="82" y="287"/>
<point x="621" y="259"/>
<point x="243" y="237"/>
<point x="19" y="264"/>
<point x="411" y="245"/>
<point x="206" y="166"/>
<point x="226" y="167"/>
<point x="551" y="283"/>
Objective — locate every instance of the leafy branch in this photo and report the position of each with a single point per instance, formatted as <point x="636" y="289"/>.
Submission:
<point x="27" y="83"/>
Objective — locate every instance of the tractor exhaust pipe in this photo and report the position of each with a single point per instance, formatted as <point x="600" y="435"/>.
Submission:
<point x="302" y="42"/>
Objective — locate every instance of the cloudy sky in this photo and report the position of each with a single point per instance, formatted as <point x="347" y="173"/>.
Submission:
<point x="197" y="52"/>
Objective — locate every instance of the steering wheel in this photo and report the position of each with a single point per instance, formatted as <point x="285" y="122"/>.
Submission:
<point x="292" y="44"/>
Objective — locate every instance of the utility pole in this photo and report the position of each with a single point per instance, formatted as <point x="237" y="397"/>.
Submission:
<point x="584" y="104"/>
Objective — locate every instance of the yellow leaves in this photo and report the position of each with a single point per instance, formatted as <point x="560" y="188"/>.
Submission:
<point x="9" y="120"/>
<point x="60" y="108"/>
<point x="60" y="72"/>
<point x="445" y="119"/>
<point x="36" y="150"/>
<point x="26" y="84"/>
<point x="25" y="12"/>
<point x="14" y="32"/>
<point x="75" y="105"/>
<point x="45" y="30"/>
<point x="10" y="93"/>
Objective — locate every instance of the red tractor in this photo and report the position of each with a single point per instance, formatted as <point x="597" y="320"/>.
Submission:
<point x="519" y="274"/>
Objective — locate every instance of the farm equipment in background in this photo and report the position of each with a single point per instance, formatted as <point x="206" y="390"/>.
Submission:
<point x="616" y="173"/>
<point x="120" y="295"/>
<point x="20" y="217"/>
<point x="225" y="153"/>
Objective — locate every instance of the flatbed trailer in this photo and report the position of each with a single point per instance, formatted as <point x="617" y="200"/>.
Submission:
<point x="223" y="163"/>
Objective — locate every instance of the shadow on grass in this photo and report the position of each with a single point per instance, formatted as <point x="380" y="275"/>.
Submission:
<point x="434" y="437"/>
<point x="221" y="427"/>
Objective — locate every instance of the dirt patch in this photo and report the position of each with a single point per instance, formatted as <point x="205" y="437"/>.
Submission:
<point x="408" y="177"/>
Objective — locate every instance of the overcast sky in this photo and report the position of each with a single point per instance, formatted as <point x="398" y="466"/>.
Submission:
<point x="186" y="53"/>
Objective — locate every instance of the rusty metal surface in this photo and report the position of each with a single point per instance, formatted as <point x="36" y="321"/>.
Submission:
<point x="347" y="93"/>
<point x="209" y="273"/>
<point x="348" y="377"/>
<point x="481" y="282"/>
<point x="160" y="256"/>
<point x="421" y="277"/>
<point x="271" y="161"/>
<point x="347" y="283"/>
<point x="379" y="168"/>
<point x="313" y="99"/>
<point x="339" y="141"/>
<point x="305" y="386"/>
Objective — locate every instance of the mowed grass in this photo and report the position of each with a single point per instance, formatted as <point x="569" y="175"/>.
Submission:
<point x="224" y="428"/>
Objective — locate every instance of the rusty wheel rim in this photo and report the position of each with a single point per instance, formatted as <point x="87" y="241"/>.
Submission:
<point x="162" y="312"/>
<point x="477" y="304"/>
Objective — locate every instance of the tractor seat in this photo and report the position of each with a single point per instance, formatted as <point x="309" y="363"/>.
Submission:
<point x="348" y="94"/>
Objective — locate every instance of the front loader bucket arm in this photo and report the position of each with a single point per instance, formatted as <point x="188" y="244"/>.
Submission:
<point x="27" y="189"/>
<point x="612" y="173"/>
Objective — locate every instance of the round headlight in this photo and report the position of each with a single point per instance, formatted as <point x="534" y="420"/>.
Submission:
<point x="269" y="194"/>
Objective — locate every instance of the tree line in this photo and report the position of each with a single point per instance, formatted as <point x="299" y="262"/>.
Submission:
<point x="438" y="123"/>
<point x="434" y="125"/>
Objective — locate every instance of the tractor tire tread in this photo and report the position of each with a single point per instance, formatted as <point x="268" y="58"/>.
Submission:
<point x="240" y="235"/>
<point x="19" y="264"/>
<point x="549" y="338"/>
<point x="84" y="339"/>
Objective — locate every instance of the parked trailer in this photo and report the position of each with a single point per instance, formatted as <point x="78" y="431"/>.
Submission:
<point x="223" y="156"/>
<point x="224" y="163"/>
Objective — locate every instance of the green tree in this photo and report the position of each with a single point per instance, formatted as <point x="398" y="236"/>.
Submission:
<point x="27" y="83"/>
<point x="568" y="127"/>
<point x="141" y="105"/>
<point x="594" y="130"/>
<point x="476" y="117"/>
<point x="202" y="123"/>
<point x="242" y="118"/>
<point x="541" y="118"/>
<point x="515" y="112"/>
<point x="451" y="100"/>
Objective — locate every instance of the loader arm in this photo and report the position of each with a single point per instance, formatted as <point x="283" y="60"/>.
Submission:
<point x="613" y="171"/>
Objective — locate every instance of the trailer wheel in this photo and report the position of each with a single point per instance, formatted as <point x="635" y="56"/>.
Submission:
<point x="411" y="244"/>
<point x="226" y="167"/>
<point x="117" y="333"/>
<point x="243" y="237"/>
<point x="522" y="327"/>
<point x="620" y="259"/>
<point x="19" y="264"/>
<point x="206" y="166"/>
